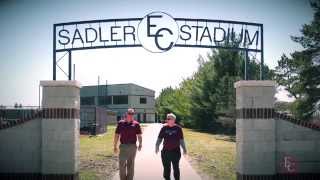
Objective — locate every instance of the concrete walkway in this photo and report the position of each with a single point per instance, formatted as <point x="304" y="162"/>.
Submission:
<point x="148" y="165"/>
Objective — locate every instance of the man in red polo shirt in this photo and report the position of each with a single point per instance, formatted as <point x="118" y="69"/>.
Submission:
<point x="129" y="131"/>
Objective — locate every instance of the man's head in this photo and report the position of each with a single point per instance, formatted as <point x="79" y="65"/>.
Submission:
<point x="130" y="114"/>
<point x="171" y="119"/>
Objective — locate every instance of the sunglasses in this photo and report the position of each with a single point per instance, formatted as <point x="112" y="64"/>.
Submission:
<point x="170" y="119"/>
<point x="130" y="113"/>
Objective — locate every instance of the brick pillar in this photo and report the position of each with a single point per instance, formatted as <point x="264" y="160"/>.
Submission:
<point x="60" y="129"/>
<point x="255" y="130"/>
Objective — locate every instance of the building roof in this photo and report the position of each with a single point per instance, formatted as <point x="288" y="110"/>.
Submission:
<point x="116" y="89"/>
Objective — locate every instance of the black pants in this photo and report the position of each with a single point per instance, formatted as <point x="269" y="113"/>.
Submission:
<point x="169" y="157"/>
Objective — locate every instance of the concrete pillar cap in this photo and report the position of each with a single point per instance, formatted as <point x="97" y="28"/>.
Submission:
<point x="254" y="83"/>
<point x="60" y="83"/>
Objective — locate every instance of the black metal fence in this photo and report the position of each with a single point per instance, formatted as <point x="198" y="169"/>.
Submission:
<point x="313" y="123"/>
<point x="10" y="116"/>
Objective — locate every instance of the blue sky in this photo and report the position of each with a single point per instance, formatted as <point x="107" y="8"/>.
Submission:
<point x="26" y="40"/>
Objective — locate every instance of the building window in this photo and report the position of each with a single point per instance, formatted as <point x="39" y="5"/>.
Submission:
<point x="87" y="101"/>
<point x="143" y="100"/>
<point x="122" y="99"/>
<point x="104" y="100"/>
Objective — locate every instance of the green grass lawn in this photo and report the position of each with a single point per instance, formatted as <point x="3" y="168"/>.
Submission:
<point x="213" y="156"/>
<point x="97" y="160"/>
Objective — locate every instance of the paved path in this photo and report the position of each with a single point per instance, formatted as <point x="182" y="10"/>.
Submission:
<point x="148" y="164"/>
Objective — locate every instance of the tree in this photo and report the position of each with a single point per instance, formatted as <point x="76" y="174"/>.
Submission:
<point x="309" y="81"/>
<point x="176" y="101"/>
<point x="209" y="92"/>
<point x="310" y="38"/>
<point x="300" y="74"/>
<point x="164" y="102"/>
<point x="287" y="75"/>
<point x="213" y="92"/>
<point x="203" y="96"/>
<point x="182" y="102"/>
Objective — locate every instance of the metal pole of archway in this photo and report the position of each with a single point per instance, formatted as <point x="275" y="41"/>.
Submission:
<point x="54" y="58"/>
<point x="54" y="53"/>
<point x="70" y="66"/>
<point x="245" y="65"/>
<point x="261" y="53"/>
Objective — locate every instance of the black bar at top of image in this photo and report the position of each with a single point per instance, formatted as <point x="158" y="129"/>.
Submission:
<point x="97" y="21"/>
<point x="219" y="21"/>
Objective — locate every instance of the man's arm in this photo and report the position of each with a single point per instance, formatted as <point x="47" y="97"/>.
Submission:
<point x="140" y="141"/>
<point x="115" y="142"/>
<point x="139" y="135"/>
<point x="159" y="140"/>
<point x="183" y="145"/>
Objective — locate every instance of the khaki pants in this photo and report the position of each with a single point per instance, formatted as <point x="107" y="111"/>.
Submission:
<point x="126" y="161"/>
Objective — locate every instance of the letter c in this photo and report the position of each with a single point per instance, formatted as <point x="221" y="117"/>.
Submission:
<point x="160" y="35"/>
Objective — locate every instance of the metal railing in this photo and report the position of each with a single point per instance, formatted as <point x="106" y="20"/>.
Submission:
<point x="313" y="123"/>
<point x="10" y="116"/>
